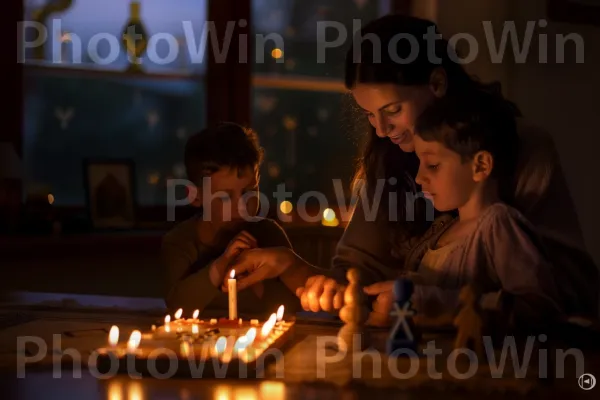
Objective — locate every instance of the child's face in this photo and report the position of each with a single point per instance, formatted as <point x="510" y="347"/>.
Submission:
<point x="231" y="197"/>
<point x="443" y="176"/>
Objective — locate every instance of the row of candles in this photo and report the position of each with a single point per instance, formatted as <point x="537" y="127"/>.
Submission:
<point x="220" y="348"/>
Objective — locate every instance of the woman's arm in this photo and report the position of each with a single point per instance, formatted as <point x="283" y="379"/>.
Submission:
<point x="365" y="244"/>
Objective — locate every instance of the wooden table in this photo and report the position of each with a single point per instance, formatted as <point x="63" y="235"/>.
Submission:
<point x="42" y="383"/>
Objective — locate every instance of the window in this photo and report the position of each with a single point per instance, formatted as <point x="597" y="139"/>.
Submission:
<point x="80" y="108"/>
<point x="300" y="106"/>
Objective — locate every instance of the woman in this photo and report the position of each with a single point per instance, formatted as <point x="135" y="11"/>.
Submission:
<point x="392" y="95"/>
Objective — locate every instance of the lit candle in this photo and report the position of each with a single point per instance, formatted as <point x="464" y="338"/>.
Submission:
<point x="134" y="341"/>
<point x="268" y="326"/>
<point x="178" y="314"/>
<point x="195" y="315"/>
<point x="280" y="314"/>
<point x="113" y="336"/>
<point x="232" y="287"/>
<point x="168" y="323"/>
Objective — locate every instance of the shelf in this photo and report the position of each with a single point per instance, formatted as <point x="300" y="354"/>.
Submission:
<point x="71" y="72"/>
<point x="270" y="81"/>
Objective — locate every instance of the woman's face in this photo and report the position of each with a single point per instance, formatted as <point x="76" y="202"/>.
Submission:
<point x="393" y="109"/>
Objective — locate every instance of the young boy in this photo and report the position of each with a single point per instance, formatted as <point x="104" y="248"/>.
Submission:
<point x="468" y="151"/>
<point x="223" y="162"/>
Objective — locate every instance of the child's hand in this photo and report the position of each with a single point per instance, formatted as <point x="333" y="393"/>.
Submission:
<point x="242" y="241"/>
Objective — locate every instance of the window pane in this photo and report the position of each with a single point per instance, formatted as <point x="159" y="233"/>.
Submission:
<point x="88" y="26"/>
<point x="69" y="118"/>
<point x="308" y="138"/>
<point x="301" y="25"/>
<point x="300" y="108"/>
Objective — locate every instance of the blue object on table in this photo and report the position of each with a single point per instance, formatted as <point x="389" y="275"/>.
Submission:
<point x="403" y="335"/>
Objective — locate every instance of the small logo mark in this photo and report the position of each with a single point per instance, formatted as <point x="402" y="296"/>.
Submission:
<point x="587" y="381"/>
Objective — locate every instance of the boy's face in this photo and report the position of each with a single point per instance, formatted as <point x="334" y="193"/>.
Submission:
<point x="443" y="176"/>
<point x="229" y="196"/>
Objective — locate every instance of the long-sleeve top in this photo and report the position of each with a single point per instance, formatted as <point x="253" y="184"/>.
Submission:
<point x="186" y="262"/>
<point x="541" y="195"/>
<point x="503" y="253"/>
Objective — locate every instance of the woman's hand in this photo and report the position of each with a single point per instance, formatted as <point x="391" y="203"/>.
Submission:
<point x="321" y="293"/>
<point x="380" y="316"/>
<point x="256" y="265"/>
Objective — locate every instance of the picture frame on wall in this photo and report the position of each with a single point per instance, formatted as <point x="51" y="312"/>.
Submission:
<point x="110" y="193"/>
<point x="574" y="11"/>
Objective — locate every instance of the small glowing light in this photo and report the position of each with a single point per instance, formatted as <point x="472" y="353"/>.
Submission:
<point x="167" y="319"/>
<point x="134" y="340"/>
<point x="221" y="344"/>
<point x="222" y="392"/>
<point x="268" y="326"/>
<point x="178" y="313"/>
<point x="50" y="199"/>
<point x="232" y="274"/>
<point x="115" y="391"/>
<point x="329" y="218"/>
<point x="280" y="313"/>
<point x="329" y="215"/>
<point x="113" y="335"/>
<point x="213" y="321"/>
<point x="195" y="329"/>
<point x="185" y="349"/>
<point x="286" y="207"/>
<point x="277" y="53"/>
<point x="135" y="391"/>
<point x="195" y="315"/>
<point x="251" y="335"/>
<point x="241" y="343"/>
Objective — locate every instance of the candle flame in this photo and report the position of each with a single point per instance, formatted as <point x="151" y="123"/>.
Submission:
<point x="266" y="329"/>
<point x="280" y="313"/>
<point x="113" y="335"/>
<point x="134" y="340"/>
<point x="251" y="335"/>
<point x="167" y="319"/>
<point x="232" y="274"/>
<point x="178" y="313"/>
<point x="241" y="343"/>
<point x="196" y="314"/>
<point x="221" y="344"/>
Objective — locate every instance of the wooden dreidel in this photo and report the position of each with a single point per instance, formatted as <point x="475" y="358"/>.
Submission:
<point x="469" y="322"/>
<point x="403" y="335"/>
<point x="352" y="337"/>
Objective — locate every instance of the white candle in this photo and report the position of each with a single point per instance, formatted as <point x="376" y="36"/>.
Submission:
<point x="232" y="287"/>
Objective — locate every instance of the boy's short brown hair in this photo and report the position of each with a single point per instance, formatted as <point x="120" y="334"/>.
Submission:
<point x="225" y="145"/>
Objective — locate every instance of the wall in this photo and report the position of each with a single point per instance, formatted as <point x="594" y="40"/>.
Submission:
<point x="563" y="99"/>
<point x="558" y="97"/>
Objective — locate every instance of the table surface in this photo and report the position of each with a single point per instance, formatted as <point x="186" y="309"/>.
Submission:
<point x="46" y="383"/>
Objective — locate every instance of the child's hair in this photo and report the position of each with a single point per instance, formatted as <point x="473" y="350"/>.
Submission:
<point x="481" y="122"/>
<point x="225" y="145"/>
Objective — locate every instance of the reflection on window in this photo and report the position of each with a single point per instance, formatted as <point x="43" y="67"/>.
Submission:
<point x="302" y="27"/>
<point x="89" y="34"/>
<point x="69" y="118"/>
<point x="309" y="139"/>
<point x="300" y="108"/>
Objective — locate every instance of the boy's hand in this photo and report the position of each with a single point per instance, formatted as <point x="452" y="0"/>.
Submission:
<point x="242" y="241"/>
